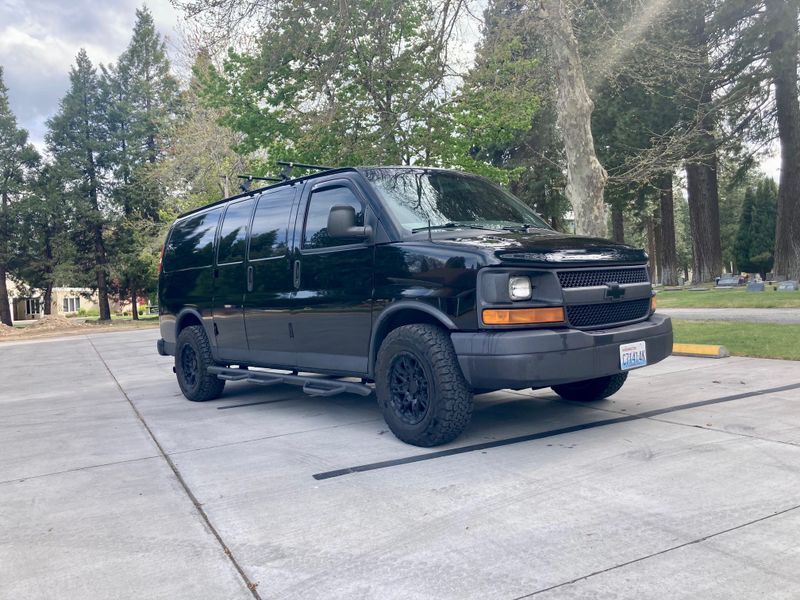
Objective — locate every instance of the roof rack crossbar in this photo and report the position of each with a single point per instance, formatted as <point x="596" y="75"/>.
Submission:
<point x="286" y="172"/>
<point x="249" y="179"/>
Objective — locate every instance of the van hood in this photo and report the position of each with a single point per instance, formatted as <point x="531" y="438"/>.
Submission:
<point x="545" y="248"/>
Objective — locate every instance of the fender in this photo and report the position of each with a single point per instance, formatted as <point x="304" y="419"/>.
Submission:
<point x="391" y="311"/>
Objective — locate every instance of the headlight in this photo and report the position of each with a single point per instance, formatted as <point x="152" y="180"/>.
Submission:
<point x="519" y="288"/>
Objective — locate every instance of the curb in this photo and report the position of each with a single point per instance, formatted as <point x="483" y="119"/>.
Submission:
<point x="701" y="350"/>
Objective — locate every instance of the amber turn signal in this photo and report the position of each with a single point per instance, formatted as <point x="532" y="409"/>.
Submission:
<point x="523" y="316"/>
<point x="653" y="304"/>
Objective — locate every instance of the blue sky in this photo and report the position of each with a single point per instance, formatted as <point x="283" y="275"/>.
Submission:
<point x="40" y="38"/>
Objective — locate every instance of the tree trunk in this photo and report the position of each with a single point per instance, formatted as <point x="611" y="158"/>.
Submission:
<point x="586" y="178"/>
<point x="669" y="253"/>
<point x="658" y="242"/>
<point x="5" y="308"/>
<point x="701" y="171"/>
<point x="617" y="224"/>
<point x="704" y="222"/>
<point x="783" y="45"/>
<point x="652" y="251"/>
<point x="48" y="298"/>
<point x="135" y="305"/>
<point x="100" y="258"/>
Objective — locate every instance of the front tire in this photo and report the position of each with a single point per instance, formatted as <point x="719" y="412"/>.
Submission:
<point x="591" y="390"/>
<point x="421" y="390"/>
<point x="192" y="359"/>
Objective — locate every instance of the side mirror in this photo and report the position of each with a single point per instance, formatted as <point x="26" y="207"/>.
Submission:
<point x="342" y="223"/>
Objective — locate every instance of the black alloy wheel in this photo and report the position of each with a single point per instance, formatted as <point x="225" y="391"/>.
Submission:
<point x="409" y="388"/>
<point x="421" y="390"/>
<point x="192" y="359"/>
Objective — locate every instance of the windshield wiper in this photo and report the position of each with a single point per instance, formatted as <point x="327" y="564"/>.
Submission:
<point x="450" y="225"/>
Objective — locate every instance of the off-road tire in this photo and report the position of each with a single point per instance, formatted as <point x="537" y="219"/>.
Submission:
<point x="591" y="390"/>
<point x="449" y="399"/>
<point x="196" y="384"/>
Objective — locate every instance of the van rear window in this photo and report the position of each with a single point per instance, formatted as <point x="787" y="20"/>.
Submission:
<point x="191" y="244"/>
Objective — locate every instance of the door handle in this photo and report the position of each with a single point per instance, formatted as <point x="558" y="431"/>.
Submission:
<point x="296" y="277"/>
<point x="249" y="278"/>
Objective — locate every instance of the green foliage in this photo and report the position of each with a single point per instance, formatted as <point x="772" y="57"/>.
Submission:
<point x="365" y="88"/>
<point x="505" y="115"/>
<point x="755" y="240"/>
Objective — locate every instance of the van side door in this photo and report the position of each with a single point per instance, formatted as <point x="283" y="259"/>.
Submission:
<point x="230" y="281"/>
<point x="269" y="279"/>
<point x="333" y="280"/>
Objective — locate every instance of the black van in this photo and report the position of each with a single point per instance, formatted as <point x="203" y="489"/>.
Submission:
<point x="432" y="284"/>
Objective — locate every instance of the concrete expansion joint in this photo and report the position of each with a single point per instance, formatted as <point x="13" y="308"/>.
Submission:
<point x="251" y="585"/>
<point x="661" y="552"/>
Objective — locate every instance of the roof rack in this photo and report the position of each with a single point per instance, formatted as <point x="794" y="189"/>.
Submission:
<point x="249" y="179"/>
<point x="286" y="172"/>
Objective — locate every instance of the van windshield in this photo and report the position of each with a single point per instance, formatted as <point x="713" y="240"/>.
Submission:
<point x="421" y="198"/>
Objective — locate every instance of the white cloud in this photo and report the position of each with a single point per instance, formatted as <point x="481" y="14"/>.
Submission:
<point x="39" y="40"/>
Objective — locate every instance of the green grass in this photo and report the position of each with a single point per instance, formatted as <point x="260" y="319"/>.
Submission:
<point x="735" y="298"/>
<point x="760" y="340"/>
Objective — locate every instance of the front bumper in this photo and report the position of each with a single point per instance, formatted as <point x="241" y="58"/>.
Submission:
<point x="492" y="360"/>
<point x="165" y="348"/>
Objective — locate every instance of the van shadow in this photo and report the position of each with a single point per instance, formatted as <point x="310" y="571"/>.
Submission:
<point x="496" y="415"/>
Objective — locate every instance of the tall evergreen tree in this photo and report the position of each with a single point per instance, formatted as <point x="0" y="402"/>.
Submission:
<point x="16" y="157"/>
<point x="142" y="97"/>
<point x="78" y="141"/>
<point x="755" y="241"/>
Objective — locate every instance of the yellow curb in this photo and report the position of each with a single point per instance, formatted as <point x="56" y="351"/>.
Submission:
<point x="704" y="350"/>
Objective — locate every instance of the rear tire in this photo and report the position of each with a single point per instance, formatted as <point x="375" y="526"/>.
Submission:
<point x="420" y="388"/>
<point x="192" y="359"/>
<point x="591" y="390"/>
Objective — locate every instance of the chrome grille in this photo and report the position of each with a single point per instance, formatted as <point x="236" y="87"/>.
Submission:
<point x="608" y="313"/>
<point x="590" y="278"/>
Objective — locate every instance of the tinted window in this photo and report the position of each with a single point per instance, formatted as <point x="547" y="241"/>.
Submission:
<point x="316" y="231"/>
<point x="192" y="242"/>
<point x="233" y="235"/>
<point x="271" y="223"/>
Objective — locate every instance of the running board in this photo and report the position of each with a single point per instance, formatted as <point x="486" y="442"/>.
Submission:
<point x="313" y="386"/>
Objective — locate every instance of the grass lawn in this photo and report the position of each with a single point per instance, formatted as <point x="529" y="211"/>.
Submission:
<point x="735" y="298"/>
<point x="761" y="340"/>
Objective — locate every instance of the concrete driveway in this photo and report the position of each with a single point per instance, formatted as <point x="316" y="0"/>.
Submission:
<point x="686" y="484"/>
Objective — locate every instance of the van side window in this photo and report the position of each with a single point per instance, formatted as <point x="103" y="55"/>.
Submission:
<point x="233" y="234"/>
<point x="270" y="224"/>
<point x="191" y="244"/>
<point x="319" y="207"/>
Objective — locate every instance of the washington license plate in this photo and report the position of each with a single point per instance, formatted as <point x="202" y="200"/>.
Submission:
<point x="632" y="355"/>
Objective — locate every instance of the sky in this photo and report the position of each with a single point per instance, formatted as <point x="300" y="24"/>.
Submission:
<point x="39" y="40"/>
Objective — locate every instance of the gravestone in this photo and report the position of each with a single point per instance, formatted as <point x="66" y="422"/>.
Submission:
<point x="788" y="286"/>
<point x="755" y="286"/>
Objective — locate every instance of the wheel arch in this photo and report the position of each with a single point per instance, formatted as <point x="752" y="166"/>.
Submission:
<point x="186" y="318"/>
<point x="403" y="313"/>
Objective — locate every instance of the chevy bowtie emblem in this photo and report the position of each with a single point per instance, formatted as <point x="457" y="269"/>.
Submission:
<point x="613" y="291"/>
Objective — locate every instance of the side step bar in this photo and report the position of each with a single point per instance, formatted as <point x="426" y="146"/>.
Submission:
<point x="313" y="386"/>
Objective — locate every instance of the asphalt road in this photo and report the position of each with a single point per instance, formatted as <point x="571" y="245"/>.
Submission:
<point x="684" y="485"/>
<point x="752" y="315"/>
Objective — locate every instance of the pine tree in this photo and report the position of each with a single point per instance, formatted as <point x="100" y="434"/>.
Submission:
<point x="78" y="140"/>
<point x="16" y="157"/>
<point x="143" y="97"/>
<point x="755" y="240"/>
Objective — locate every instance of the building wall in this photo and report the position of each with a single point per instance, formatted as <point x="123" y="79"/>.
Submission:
<point x="76" y="298"/>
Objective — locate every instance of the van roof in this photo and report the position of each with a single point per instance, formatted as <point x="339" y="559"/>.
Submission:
<point x="255" y="191"/>
<point x="294" y="180"/>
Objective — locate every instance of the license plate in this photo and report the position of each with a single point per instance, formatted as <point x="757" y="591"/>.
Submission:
<point x="632" y="355"/>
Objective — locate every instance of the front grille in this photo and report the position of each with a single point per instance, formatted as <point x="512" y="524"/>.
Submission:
<point x="594" y="315"/>
<point x="573" y="279"/>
